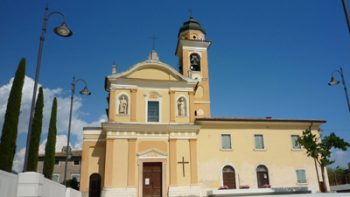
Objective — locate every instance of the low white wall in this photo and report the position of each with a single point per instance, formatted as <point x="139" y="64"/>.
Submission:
<point x="52" y="188"/>
<point x="8" y="184"/>
<point x="32" y="184"/>
<point x="73" y="193"/>
<point x="339" y="188"/>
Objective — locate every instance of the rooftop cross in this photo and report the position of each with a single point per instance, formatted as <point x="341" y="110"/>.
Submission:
<point x="153" y="41"/>
<point x="190" y="12"/>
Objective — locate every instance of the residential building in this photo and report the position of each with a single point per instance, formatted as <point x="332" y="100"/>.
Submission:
<point x="73" y="165"/>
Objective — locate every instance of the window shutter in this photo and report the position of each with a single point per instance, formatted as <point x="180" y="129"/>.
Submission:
<point x="259" y="142"/>
<point x="301" y="178"/>
<point x="226" y="141"/>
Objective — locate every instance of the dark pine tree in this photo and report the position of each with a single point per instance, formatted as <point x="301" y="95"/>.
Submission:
<point x="10" y="126"/>
<point x="49" y="159"/>
<point x="33" y="151"/>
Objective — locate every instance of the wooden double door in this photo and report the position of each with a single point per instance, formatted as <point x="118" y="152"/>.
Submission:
<point x="152" y="179"/>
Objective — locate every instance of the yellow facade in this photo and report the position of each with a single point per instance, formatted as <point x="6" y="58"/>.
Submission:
<point x="161" y="140"/>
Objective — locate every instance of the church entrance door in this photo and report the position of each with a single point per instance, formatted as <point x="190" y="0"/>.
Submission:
<point x="152" y="179"/>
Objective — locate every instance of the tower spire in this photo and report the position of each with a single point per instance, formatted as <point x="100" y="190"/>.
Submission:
<point x="114" y="68"/>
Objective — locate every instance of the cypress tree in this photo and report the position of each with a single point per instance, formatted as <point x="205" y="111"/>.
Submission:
<point x="10" y="126"/>
<point x="49" y="159"/>
<point x="33" y="151"/>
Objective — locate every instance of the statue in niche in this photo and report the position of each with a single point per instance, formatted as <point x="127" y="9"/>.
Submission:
<point x="195" y="62"/>
<point x="181" y="106"/>
<point x="123" y="105"/>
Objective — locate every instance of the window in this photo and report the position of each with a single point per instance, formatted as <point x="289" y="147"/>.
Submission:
<point x="56" y="178"/>
<point x="76" y="176"/>
<point x="301" y="177"/>
<point x="259" y="142"/>
<point x="57" y="162"/>
<point x="226" y="141"/>
<point x="153" y="111"/>
<point x="76" y="162"/>
<point x="295" y="143"/>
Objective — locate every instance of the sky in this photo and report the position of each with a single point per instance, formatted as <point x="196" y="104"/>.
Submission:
<point x="267" y="58"/>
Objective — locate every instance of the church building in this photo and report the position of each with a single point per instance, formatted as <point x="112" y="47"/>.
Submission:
<point x="161" y="140"/>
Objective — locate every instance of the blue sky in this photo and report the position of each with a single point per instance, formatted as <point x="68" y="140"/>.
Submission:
<point x="274" y="56"/>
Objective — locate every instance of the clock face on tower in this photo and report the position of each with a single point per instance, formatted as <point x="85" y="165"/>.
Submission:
<point x="195" y="62"/>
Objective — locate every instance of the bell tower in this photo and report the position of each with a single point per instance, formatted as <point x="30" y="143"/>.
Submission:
<point x="192" y="51"/>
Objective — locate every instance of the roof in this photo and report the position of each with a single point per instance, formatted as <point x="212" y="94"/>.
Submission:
<point x="191" y="24"/>
<point x="267" y="119"/>
<point x="75" y="153"/>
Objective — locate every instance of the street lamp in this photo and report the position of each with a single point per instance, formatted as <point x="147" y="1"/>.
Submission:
<point x="85" y="91"/>
<point x="63" y="31"/>
<point x="346" y="12"/>
<point x="334" y="82"/>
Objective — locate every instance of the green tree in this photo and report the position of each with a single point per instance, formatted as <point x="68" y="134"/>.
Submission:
<point x="36" y="132"/>
<point x="73" y="183"/>
<point x="337" y="175"/>
<point x="49" y="159"/>
<point x="320" y="149"/>
<point x="10" y="126"/>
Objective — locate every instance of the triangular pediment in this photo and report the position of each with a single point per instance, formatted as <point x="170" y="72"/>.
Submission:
<point x="152" y="153"/>
<point x="152" y="70"/>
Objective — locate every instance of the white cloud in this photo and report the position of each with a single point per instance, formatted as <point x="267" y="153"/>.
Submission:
<point x="18" y="160"/>
<point x="61" y="140"/>
<point x="63" y="100"/>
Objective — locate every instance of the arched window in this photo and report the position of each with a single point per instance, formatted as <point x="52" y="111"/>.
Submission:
<point x="195" y="61"/>
<point x="123" y="104"/>
<point x="95" y="185"/>
<point x="262" y="175"/>
<point x="181" y="106"/>
<point x="229" y="177"/>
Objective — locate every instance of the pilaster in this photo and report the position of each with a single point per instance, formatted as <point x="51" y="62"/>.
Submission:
<point x="172" y="105"/>
<point x="84" y="183"/>
<point x="173" y="164"/>
<point x="193" y="157"/>
<point x="109" y="164"/>
<point x="131" y="162"/>
<point x="192" y="109"/>
<point x="133" y="104"/>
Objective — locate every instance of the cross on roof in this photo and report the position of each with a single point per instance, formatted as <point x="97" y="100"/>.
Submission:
<point x="190" y="12"/>
<point x="153" y="41"/>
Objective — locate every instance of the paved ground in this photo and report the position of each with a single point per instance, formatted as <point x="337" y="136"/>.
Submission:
<point x="311" y="195"/>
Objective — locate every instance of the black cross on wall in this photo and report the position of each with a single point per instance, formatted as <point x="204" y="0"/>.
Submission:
<point x="183" y="162"/>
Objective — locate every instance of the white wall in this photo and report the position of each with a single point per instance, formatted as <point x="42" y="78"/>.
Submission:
<point x="8" y="184"/>
<point x="32" y="184"/>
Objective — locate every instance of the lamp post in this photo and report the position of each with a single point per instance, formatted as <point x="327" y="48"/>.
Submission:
<point x="346" y="12"/>
<point x="61" y="30"/>
<point x="334" y="82"/>
<point x="85" y="91"/>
